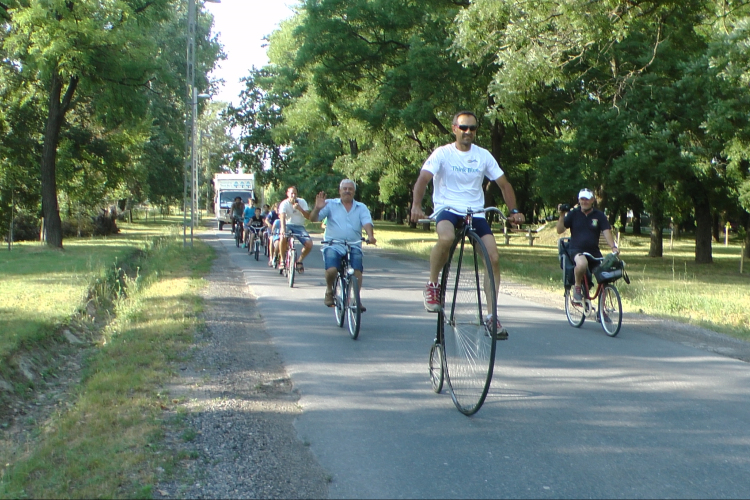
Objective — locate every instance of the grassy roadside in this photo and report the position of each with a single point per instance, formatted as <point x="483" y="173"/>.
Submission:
<point x="106" y="444"/>
<point x="713" y="296"/>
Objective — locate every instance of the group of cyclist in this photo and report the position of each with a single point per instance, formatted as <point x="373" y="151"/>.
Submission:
<point x="345" y="221"/>
<point x="457" y="171"/>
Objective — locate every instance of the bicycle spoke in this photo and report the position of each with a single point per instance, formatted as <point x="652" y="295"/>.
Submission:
<point x="469" y="349"/>
<point x="354" y="313"/>
<point x="610" y="310"/>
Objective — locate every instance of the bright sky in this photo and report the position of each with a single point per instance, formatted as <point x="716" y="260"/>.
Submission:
<point x="241" y="25"/>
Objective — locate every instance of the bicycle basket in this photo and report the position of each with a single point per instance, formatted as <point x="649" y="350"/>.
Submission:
<point x="611" y="273"/>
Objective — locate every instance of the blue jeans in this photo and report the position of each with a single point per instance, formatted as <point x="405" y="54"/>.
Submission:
<point x="332" y="255"/>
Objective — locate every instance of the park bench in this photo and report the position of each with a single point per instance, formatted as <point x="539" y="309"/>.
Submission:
<point x="529" y="233"/>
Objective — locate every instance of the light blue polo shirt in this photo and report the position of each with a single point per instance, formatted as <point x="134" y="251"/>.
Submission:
<point x="343" y="225"/>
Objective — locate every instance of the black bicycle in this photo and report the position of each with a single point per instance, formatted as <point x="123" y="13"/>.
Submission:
<point x="256" y="241"/>
<point x="238" y="231"/>
<point x="463" y="351"/>
<point x="346" y="288"/>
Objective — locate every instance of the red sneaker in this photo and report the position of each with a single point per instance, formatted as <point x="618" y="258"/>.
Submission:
<point x="432" y="297"/>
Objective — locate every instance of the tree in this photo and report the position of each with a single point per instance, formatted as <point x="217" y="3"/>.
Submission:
<point x="98" y="65"/>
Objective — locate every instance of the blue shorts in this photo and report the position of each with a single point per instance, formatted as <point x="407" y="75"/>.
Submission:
<point x="299" y="232"/>
<point x="332" y="255"/>
<point x="481" y="227"/>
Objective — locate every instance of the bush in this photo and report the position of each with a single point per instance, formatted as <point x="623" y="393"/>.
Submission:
<point x="73" y="228"/>
<point x="26" y="227"/>
<point x="105" y="224"/>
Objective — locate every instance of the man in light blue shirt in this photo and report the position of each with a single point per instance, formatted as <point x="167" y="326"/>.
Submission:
<point x="345" y="220"/>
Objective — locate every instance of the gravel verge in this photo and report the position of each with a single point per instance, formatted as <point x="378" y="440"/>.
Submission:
<point x="238" y="406"/>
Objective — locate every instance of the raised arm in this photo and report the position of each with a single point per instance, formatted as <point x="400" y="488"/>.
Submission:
<point x="320" y="203"/>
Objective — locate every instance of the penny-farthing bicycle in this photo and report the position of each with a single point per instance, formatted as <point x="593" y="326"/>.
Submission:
<point x="463" y="352"/>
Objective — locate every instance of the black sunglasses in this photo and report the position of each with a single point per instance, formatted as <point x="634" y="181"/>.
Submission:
<point x="468" y="127"/>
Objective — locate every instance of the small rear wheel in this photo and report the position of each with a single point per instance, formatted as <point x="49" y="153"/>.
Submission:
<point x="574" y="311"/>
<point x="610" y="310"/>
<point x="436" y="367"/>
<point x="353" y="307"/>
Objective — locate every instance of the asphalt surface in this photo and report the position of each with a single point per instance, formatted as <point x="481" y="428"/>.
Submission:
<point x="571" y="413"/>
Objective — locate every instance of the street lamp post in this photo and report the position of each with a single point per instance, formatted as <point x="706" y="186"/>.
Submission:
<point x="192" y="95"/>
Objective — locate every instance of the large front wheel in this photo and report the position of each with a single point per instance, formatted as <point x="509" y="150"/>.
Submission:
<point x="470" y="327"/>
<point x="353" y="307"/>
<point x="610" y="310"/>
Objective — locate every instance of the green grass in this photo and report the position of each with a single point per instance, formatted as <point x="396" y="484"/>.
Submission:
<point x="40" y="287"/>
<point x="108" y="443"/>
<point x="715" y="296"/>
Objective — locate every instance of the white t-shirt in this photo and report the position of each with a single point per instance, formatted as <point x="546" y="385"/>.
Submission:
<point x="458" y="176"/>
<point x="293" y="216"/>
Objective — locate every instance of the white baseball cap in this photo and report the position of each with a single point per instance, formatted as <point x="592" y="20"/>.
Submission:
<point x="585" y="193"/>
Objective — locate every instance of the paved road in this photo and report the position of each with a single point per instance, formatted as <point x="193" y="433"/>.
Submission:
<point x="570" y="413"/>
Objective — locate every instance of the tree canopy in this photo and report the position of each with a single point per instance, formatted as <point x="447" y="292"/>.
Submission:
<point x="644" y="102"/>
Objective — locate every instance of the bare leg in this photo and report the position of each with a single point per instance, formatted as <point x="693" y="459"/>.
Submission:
<point x="331" y="275"/>
<point x="440" y="252"/>
<point x="306" y="249"/>
<point x="582" y="264"/>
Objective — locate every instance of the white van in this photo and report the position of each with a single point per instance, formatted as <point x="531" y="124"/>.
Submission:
<point x="226" y="188"/>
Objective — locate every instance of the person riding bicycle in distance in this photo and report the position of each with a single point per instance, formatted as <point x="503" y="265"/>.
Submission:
<point x="345" y="220"/>
<point x="254" y="226"/>
<point x="586" y="224"/>
<point x="238" y="208"/>
<point x="248" y="214"/>
<point x="457" y="171"/>
<point x="293" y="212"/>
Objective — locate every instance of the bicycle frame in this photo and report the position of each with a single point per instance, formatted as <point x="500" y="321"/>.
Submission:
<point x="345" y="311"/>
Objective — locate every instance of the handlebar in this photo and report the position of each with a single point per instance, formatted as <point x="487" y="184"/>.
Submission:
<point x="600" y="259"/>
<point x="432" y="217"/>
<point x="344" y="242"/>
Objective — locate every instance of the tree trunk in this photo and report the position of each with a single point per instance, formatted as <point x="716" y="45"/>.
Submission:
<point x="656" y="248"/>
<point x="55" y="118"/>
<point x="704" y="223"/>
<point x="745" y="222"/>
<point x="716" y="228"/>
